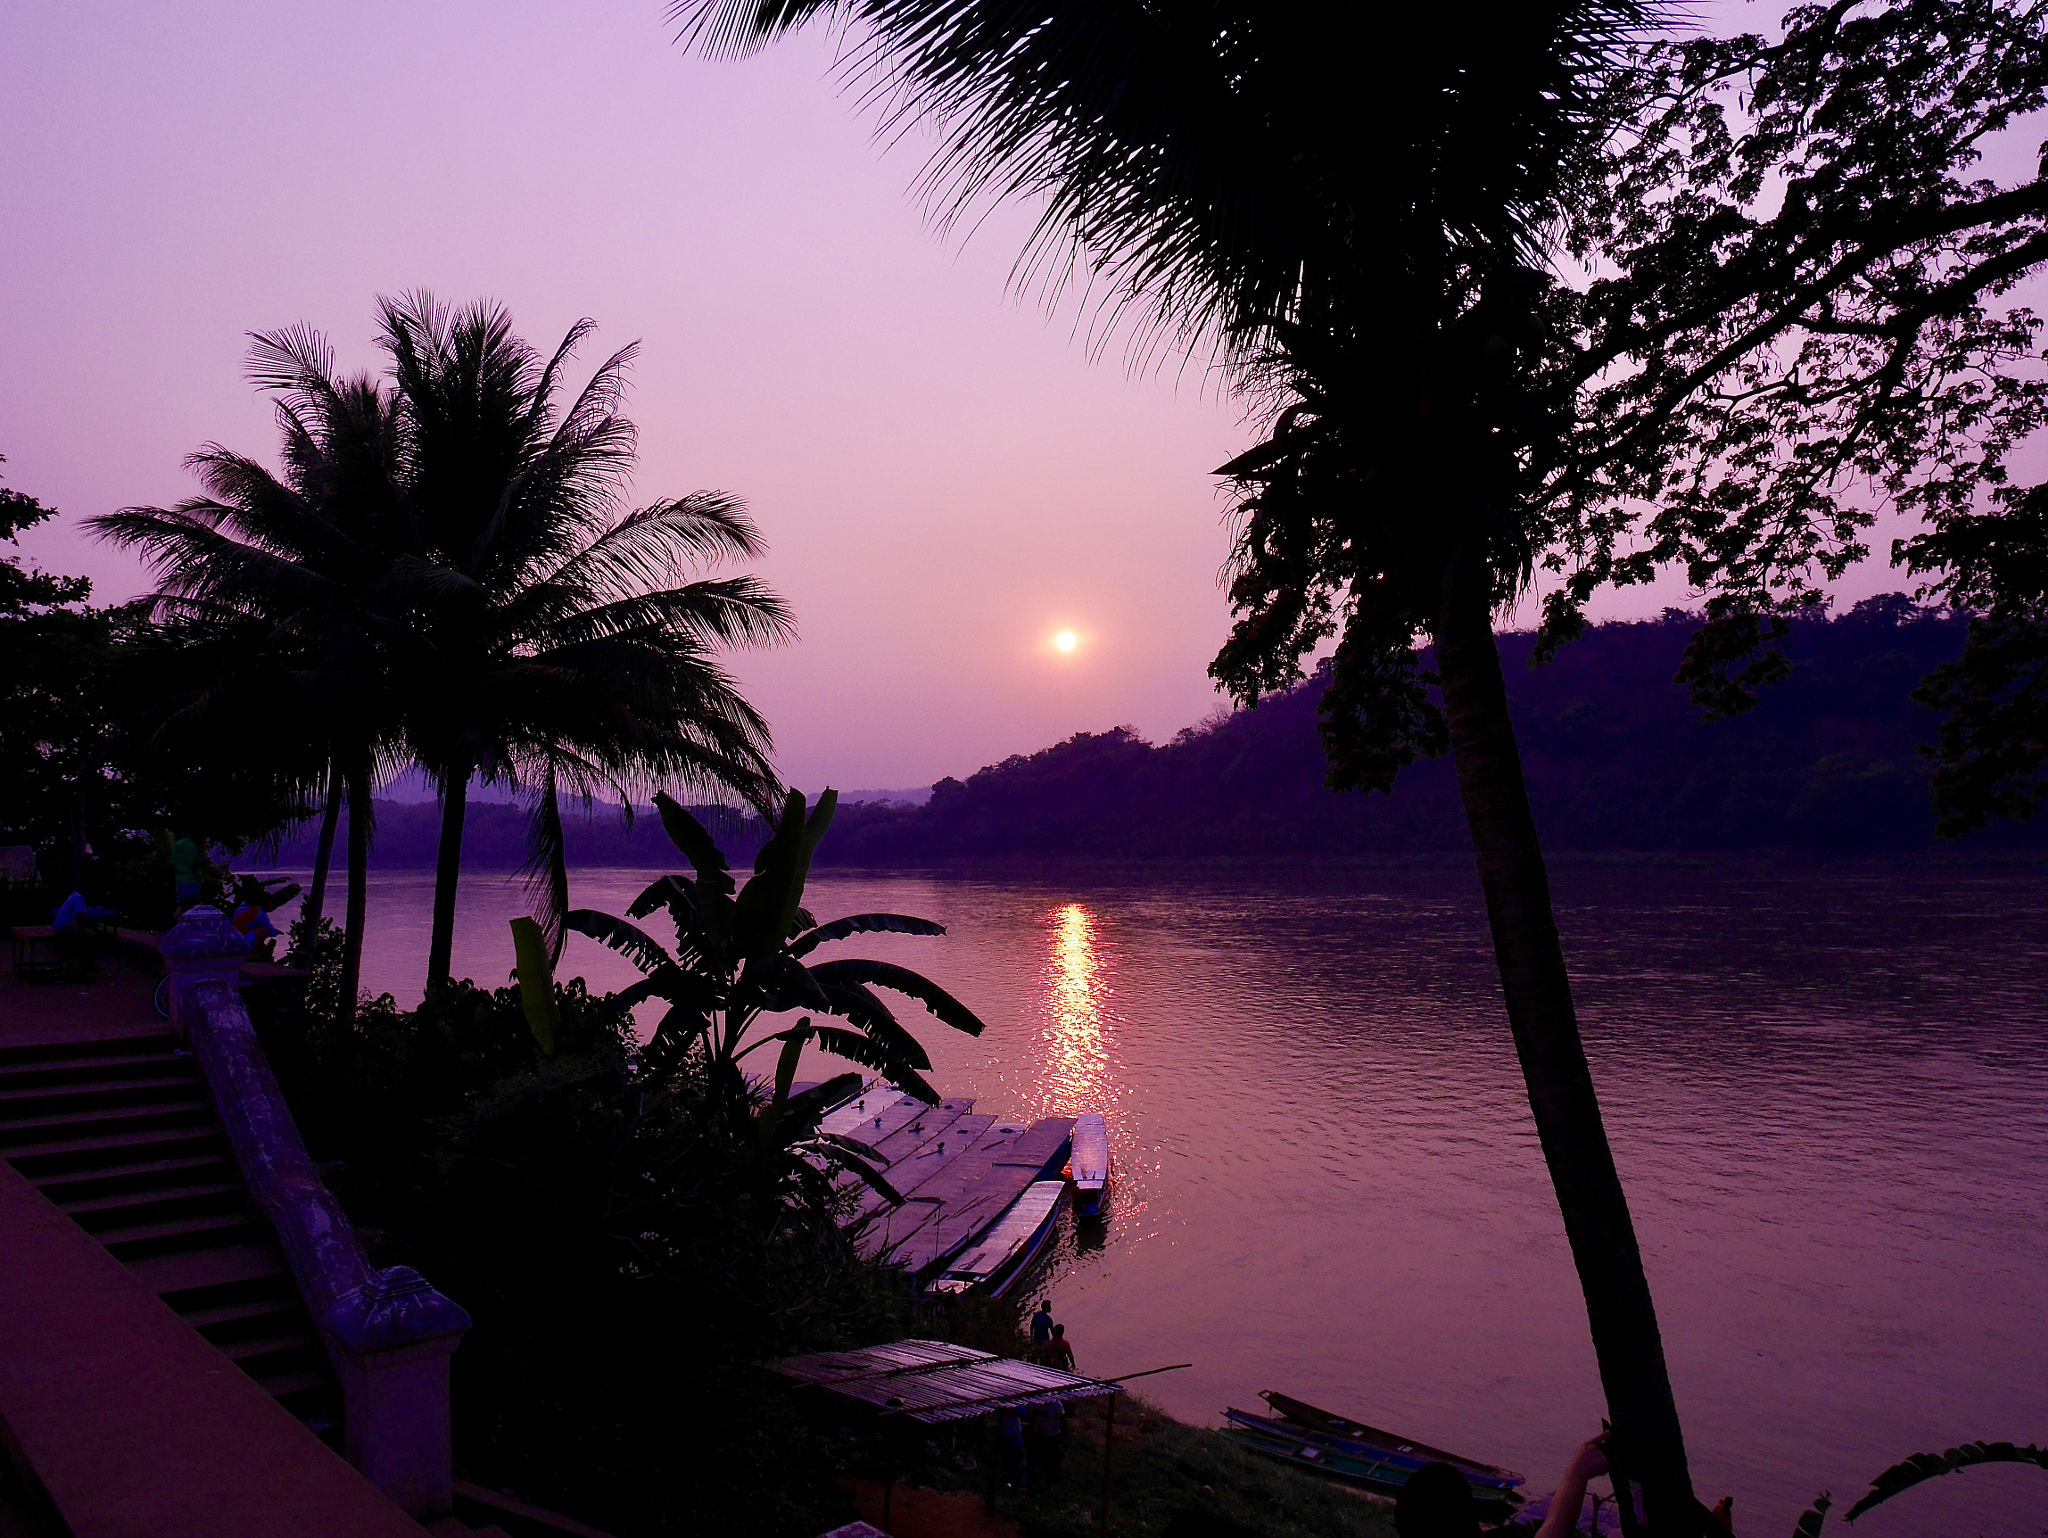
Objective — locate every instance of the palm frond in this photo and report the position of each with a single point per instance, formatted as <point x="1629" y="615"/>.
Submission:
<point x="546" y="869"/>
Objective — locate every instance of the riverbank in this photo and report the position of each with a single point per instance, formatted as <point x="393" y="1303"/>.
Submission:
<point x="1169" y="1480"/>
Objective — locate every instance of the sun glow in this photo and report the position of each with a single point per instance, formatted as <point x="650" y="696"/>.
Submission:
<point x="1065" y="641"/>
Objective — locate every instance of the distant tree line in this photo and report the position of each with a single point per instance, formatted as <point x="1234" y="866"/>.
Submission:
<point x="1618" y="759"/>
<point x="1828" y="763"/>
<point x="495" y="836"/>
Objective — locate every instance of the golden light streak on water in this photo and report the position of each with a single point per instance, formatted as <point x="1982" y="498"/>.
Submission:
<point x="1076" y="1032"/>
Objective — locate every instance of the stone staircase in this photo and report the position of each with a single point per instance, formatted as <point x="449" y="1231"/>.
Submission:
<point x="119" y="1133"/>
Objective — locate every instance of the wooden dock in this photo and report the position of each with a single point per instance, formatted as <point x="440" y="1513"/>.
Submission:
<point x="957" y="1172"/>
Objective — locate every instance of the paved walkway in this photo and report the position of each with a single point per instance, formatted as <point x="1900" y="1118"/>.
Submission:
<point x="115" y="1003"/>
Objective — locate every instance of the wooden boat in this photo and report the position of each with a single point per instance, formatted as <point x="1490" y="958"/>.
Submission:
<point x="1370" y="1462"/>
<point x="1381" y="1475"/>
<point x="1090" y="1163"/>
<point x="995" y="1258"/>
<point x="1308" y="1417"/>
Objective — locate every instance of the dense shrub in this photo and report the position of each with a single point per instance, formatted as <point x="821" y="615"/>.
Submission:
<point x="627" y="1259"/>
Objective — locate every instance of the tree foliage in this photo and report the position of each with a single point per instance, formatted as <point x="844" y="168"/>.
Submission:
<point x="444" y="569"/>
<point x="742" y="953"/>
<point x="82" y="764"/>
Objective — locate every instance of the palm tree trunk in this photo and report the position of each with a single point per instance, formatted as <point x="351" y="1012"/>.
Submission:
<point x="447" y="872"/>
<point x="315" y="907"/>
<point x="1650" y="1446"/>
<point x="359" y="815"/>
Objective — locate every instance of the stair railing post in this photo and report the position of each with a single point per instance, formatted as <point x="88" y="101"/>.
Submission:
<point x="392" y="1338"/>
<point x="201" y="947"/>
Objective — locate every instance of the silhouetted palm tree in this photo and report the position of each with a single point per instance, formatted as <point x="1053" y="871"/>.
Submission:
<point x="559" y="647"/>
<point x="279" y="589"/>
<point x="1347" y="204"/>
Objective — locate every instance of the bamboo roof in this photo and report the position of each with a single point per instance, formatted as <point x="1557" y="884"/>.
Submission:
<point x="930" y="1381"/>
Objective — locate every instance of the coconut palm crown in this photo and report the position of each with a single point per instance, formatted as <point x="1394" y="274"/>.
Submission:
<point x="276" y="590"/>
<point x="560" y="646"/>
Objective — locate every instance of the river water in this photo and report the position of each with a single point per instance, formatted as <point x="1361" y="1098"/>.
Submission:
<point x="1827" y="1093"/>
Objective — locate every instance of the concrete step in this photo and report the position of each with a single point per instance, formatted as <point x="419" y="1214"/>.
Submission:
<point x="66" y="1153"/>
<point x="235" y="1286"/>
<point x="129" y="1208"/>
<point x="297" y="1383"/>
<point x="288" y="1351"/>
<point x="137" y="1175"/>
<point x="46" y="1100"/>
<point x="185" y="1271"/>
<point x="89" y="1070"/>
<point x="73" y="1049"/>
<point x="202" y="1231"/>
<point x="44" y="1129"/>
<point x="227" y="1321"/>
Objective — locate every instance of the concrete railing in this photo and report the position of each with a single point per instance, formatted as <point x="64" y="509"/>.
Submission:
<point x="388" y="1333"/>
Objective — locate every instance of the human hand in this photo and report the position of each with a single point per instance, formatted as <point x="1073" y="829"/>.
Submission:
<point x="1588" y="1461"/>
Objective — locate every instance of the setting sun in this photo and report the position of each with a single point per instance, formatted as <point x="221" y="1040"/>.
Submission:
<point x="1065" y="640"/>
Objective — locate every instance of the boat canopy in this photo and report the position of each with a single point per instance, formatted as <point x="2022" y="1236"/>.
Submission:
<point x="932" y="1381"/>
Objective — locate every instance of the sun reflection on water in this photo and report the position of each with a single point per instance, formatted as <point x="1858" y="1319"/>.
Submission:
<point x="1076" y="1030"/>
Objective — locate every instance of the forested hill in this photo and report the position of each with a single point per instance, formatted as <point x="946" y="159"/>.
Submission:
<point x="1617" y="760"/>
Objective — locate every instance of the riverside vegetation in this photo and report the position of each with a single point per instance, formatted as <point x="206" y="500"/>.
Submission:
<point x="634" y="1227"/>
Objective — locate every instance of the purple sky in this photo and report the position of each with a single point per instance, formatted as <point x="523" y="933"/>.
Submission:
<point x="946" y="478"/>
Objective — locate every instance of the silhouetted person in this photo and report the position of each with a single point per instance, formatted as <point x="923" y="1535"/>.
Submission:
<point x="1010" y="1428"/>
<point x="1058" y="1353"/>
<point x="1436" y="1503"/>
<point x="1041" y="1323"/>
<point x="1045" y="1431"/>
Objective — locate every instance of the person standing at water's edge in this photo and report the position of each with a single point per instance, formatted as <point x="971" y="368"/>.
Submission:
<point x="1059" y="1351"/>
<point x="1041" y="1324"/>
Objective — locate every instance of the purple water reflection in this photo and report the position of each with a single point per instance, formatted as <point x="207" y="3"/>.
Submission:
<point x="1826" y="1092"/>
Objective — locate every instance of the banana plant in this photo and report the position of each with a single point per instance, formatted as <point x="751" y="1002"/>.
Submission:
<point x="742" y="955"/>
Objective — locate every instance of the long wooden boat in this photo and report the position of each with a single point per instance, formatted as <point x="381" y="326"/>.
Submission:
<point x="1090" y="1163"/>
<point x="1307" y="1416"/>
<point x="995" y="1258"/>
<point x="864" y="1108"/>
<point x="1382" y="1475"/>
<point x="1373" y="1462"/>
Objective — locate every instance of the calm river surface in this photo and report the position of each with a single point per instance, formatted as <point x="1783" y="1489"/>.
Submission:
<point x="1827" y="1093"/>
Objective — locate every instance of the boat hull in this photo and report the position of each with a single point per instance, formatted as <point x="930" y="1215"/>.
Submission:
<point x="1090" y="1163"/>
<point x="993" y="1262"/>
<point x="1299" y="1414"/>
<point x="1405" y="1459"/>
<point x="1382" y="1474"/>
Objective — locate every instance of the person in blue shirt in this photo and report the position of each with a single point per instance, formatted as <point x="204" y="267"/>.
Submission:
<point x="1041" y="1323"/>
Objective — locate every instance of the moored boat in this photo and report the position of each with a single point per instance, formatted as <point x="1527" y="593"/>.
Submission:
<point x="1372" y="1462"/>
<point x="994" y="1259"/>
<point x="1299" y="1413"/>
<point x="1379" y="1475"/>
<point x="862" y="1109"/>
<point x="1090" y="1163"/>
